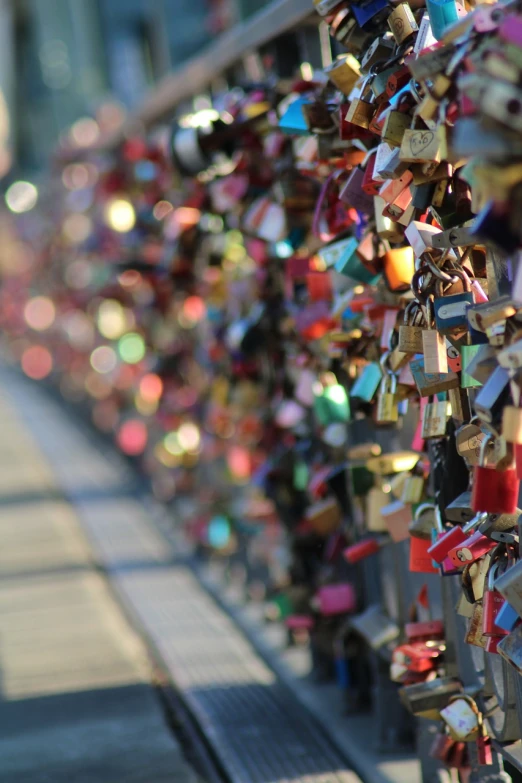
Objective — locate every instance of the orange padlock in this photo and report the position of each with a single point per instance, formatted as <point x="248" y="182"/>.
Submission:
<point x="398" y="268"/>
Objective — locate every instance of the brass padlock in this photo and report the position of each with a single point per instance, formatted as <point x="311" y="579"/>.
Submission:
<point x="424" y="146"/>
<point x="344" y="73"/>
<point x="394" y="127"/>
<point x="402" y="23"/>
<point x="361" y="110"/>
<point x="410" y="335"/>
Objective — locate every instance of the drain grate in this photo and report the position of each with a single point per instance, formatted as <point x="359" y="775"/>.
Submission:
<point x="257" y="728"/>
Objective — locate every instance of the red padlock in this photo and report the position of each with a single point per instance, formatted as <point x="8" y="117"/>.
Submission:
<point x="431" y="629"/>
<point x="518" y="459"/>
<point x="451" y="538"/>
<point x="420" y="561"/>
<point x="492" y="603"/>
<point x="361" y="550"/>
<point x="492" y="643"/>
<point x="471" y="550"/>
<point x="494" y="491"/>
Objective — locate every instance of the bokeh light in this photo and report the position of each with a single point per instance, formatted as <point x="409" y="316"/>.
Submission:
<point x="151" y="387"/>
<point x="85" y="132"/>
<point x="189" y="437"/>
<point x="37" y="362"/>
<point x="132" y="437"/>
<point x="39" y="313"/>
<point x="104" y="359"/>
<point x="21" y="197"/>
<point x="112" y="320"/>
<point x="131" y="348"/>
<point x="172" y="444"/>
<point x="77" y="227"/>
<point x="120" y="215"/>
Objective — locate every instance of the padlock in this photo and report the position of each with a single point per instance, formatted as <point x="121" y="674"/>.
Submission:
<point x="335" y="599"/>
<point x="455" y="536"/>
<point x="426" y="699"/>
<point x="397" y="517"/>
<point x="459" y="511"/>
<point x="344" y="73"/>
<point x="376" y="500"/>
<point x="471" y="550"/>
<point x="380" y="50"/>
<point x="474" y="635"/>
<point x="387" y="410"/>
<point x="494" y="491"/>
<point x="394" y="127"/>
<point x="507" y="617"/>
<point x="388" y="164"/>
<point x="361" y="109"/>
<point x="450" y="311"/>
<point x="410" y="336"/>
<point x="493" y="396"/>
<point x="510" y="648"/>
<point x="362" y="549"/>
<point x="492" y="602"/>
<point x="442" y="13"/>
<point x="366" y="385"/>
<point x="434" y="345"/>
<point x="413" y="489"/>
<point x="462" y="716"/>
<point x="423" y="521"/>
<point x="509" y="585"/>
<point x="324" y="516"/>
<point x="424" y="145"/>
<point x="375" y="627"/>
<point x="420" y="560"/>
<point x="460" y="405"/>
<point x="434" y="419"/>
<point x="424" y="631"/>
<point x="416" y="656"/>
<point x="512" y="424"/>
<point x="353" y="195"/>
<point x="402" y="23"/>
<point x="468" y="354"/>
<point x="432" y="383"/>
<point x="468" y="440"/>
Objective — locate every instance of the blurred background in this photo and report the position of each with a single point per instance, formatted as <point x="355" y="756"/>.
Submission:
<point x="63" y="59"/>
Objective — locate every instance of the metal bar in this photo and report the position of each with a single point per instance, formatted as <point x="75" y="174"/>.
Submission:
<point x="197" y="73"/>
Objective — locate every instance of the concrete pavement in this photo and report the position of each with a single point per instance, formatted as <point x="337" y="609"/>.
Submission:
<point x="76" y="703"/>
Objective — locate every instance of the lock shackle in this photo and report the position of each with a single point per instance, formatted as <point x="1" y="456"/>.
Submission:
<point x="483" y="448"/>
<point x="464" y="277"/>
<point x="416" y="286"/>
<point x="439" y="525"/>
<point x="407" y="311"/>
<point x="477" y="520"/>
<point x="435" y="269"/>
<point x="422" y="508"/>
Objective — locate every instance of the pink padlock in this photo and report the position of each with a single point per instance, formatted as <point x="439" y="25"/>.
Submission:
<point x="336" y="599"/>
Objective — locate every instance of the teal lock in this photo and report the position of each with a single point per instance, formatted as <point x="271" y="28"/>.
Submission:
<point x="293" y="120"/>
<point x="442" y="13"/>
<point x="331" y="405"/>
<point x="350" y="265"/>
<point x="366" y="385"/>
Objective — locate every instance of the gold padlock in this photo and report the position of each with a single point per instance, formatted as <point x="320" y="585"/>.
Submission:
<point x="344" y="73"/>
<point x="402" y="23"/>
<point x="395" y="125"/>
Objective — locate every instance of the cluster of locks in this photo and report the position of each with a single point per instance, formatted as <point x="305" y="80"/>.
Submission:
<point x="301" y="316"/>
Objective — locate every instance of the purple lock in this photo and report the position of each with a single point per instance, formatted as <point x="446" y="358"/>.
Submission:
<point x="354" y="196"/>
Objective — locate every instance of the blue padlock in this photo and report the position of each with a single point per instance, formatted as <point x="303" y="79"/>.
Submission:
<point x="507" y="617"/>
<point x="450" y="311"/>
<point x="365" y="13"/>
<point x="293" y="120"/>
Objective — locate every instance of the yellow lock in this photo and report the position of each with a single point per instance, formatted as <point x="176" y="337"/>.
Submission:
<point x="344" y="73"/>
<point x="424" y="145"/>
